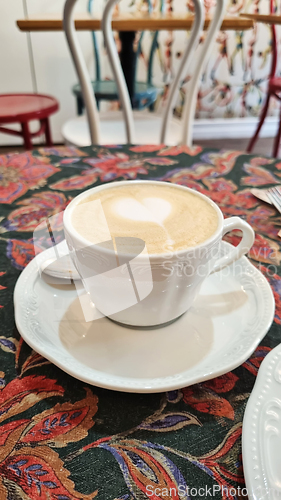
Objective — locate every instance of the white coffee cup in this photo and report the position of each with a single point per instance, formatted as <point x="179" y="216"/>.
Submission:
<point x="148" y="290"/>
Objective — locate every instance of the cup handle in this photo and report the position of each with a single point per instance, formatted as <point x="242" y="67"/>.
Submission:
<point x="244" y="246"/>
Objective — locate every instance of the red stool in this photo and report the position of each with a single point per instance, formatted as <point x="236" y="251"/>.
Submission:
<point x="22" y="108"/>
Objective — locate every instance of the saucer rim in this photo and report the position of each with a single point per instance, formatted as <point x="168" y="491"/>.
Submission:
<point x="154" y="385"/>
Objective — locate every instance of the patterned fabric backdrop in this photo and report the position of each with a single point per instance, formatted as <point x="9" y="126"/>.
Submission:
<point x="235" y="79"/>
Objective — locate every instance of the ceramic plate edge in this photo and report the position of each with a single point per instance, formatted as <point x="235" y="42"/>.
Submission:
<point x="247" y="426"/>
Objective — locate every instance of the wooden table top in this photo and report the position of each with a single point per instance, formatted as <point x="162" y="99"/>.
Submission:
<point x="262" y="18"/>
<point x="129" y="22"/>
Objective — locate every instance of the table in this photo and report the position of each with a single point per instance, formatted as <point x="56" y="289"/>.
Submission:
<point x="263" y="18"/>
<point x="129" y="22"/>
<point x="114" y="444"/>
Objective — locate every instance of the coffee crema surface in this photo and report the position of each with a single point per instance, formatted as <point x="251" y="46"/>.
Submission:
<point x="168" y="219"/>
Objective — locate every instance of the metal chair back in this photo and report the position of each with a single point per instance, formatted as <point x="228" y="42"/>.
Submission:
<point x="190" y="104"/>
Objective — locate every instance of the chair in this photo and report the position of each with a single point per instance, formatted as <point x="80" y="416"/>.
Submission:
<point x="273" y="90"/>
<point x="143" y="94"/>
<point x="22" y="108"/>
<point x="119" y="127"/>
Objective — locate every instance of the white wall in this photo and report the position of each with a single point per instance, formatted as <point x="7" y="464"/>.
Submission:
<point x="54" y="70"/>
<point x="15" y="75"/>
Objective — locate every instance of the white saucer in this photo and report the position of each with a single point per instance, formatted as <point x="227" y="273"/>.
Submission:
<point x="231" y="315"/>
<point x="261" y="439"/>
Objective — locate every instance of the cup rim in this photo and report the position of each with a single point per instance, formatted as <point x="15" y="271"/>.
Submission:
<point x="86" y="243"/>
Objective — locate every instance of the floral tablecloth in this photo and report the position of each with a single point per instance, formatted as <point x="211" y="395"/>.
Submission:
<point x="62" y="439"/>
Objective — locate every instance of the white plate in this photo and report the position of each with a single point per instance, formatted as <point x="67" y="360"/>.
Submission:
<point x="231" y="315"/>
<point x="261" y="442"/>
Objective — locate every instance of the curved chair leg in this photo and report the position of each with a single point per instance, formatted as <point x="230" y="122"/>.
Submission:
<point x="262" y="118"/>
<point x="48" y="135"/>
<point x="277" y="139"/>
<point x="26" y="135"/>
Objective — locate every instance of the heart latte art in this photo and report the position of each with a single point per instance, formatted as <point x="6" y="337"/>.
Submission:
<point x="165" y="217"/>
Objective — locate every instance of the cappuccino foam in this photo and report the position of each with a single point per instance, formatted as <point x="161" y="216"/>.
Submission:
<point x="165" y="217"/>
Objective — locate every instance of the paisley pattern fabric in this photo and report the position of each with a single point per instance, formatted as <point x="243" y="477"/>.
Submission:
<point x="61" y="439"/>
<point x="235" y="79"/>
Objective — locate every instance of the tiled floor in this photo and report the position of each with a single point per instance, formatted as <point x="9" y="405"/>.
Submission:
<point x="263" y="146"/>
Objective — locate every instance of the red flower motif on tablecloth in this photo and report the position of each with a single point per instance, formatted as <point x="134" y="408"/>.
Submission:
<point x="145" y="467"/>
<point x="105" y="167"/>
<point x="223" y="463"/>
<point x="212" y="165"/>
<point x="257" y="175"/>
<point x="35" y="210"/>
<point x="220" y="185"/>
<point x="20" y="252"/>
<point x="21" y="172"/>
<point x="205" y="397"/>
<point x="222" y="161"/>
<point x="165" y="162"/>
<point x="148" y="473"/>
<point x="26" y="361"/>
<point x="224" y="383"/>
<point x="253" y="363"/>
<point x="233" y="203"/>
<point x="147" y="148"/>
<point x="77" y="182"/>
<point x="112" y="166"/>
<point x="28" y="463"/>
<point x="264" y="220"/>
<point x="258" y="161"/>
<point x="185" y="176"/>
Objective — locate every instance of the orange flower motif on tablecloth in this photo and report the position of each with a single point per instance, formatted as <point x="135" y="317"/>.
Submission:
<point x="62" y="151"/>
<point x="32" y="211"/>
<point x="223" y="161"/>
<point x="257" y="175"/>
<point x="28" y="463"/>
<point x="19" y="173"/>
<point x="106" y="167"/>
<point x="147" y="148"/>
<point x="177" y="150"/>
